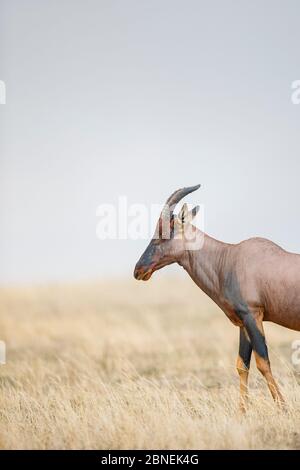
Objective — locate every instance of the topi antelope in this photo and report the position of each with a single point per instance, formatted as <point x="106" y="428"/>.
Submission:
<point x="252" y="281"/>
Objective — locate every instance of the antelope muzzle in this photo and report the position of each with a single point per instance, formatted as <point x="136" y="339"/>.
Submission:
<point x="146" y="265"/>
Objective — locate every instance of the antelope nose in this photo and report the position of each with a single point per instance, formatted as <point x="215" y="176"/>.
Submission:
<point x="137" y="272"/>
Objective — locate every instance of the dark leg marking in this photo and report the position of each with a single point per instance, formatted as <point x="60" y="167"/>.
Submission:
<point x="242" y="365"/>
<point x="245" y="348"/>
<point x="256" y="337"/>
<point x="254" y="328"/>
<point x="233" y="294"/>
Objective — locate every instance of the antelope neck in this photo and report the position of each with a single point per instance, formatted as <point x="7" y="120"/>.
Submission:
<point x="206" y="265"/>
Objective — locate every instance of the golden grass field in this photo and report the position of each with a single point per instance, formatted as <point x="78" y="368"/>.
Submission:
<point x="126" y="364"/>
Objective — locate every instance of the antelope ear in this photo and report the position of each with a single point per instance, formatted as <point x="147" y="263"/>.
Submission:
<point x="183" y="214"/>
<point x="194" y="212"/>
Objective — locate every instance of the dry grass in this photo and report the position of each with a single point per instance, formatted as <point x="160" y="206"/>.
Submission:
<point x="134" y="365"/>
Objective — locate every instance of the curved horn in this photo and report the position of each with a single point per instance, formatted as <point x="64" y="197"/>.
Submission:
<point x="173" y="200"/>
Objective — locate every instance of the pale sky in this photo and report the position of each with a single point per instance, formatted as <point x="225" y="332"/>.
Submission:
<point x="138" y="98"/>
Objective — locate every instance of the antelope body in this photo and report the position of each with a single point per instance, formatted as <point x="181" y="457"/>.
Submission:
<point x="252" y="282"/>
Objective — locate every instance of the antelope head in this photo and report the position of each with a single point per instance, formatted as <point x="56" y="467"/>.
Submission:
<point x="172" y="236"/>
